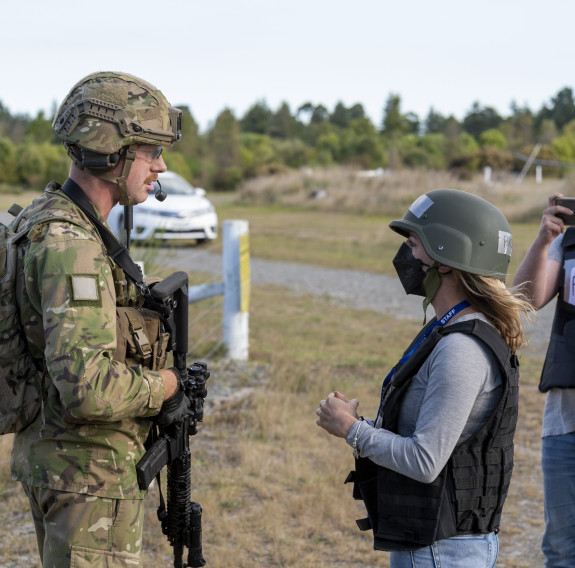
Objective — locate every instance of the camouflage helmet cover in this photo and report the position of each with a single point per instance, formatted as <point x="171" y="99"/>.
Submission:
<point x="106" y="111"/>
<point x="460" y="230"/>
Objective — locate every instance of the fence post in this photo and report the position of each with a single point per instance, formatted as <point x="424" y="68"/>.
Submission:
<point x="236" y="279"/>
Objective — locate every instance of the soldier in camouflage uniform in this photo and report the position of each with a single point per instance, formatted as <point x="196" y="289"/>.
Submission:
<point x="77" y="460"/>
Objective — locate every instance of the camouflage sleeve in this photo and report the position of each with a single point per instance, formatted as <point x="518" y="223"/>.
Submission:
<point x="69" y="281"/>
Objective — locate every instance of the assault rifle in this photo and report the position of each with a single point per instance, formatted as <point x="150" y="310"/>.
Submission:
<point x="182" y="521"/>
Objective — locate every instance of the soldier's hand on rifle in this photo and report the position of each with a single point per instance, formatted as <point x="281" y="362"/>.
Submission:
<point x="174" y="409"/>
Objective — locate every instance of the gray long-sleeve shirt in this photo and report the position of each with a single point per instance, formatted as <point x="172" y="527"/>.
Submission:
<point x="449" y="398"/>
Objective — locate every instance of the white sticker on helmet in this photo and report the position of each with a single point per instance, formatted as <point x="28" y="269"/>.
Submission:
<point x="420" y="205"/>
<point x="505" y="243"/>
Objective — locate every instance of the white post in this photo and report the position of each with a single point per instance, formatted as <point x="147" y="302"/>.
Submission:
<point x="538" y="174"/>
<point x="236" y="272"/>
<point x="487" y="174"/>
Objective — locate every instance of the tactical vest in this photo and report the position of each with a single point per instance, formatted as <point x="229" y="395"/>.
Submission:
<point x="559" y="367"/>
<point x="141" y="338"/>
<point x="468" y="495"/>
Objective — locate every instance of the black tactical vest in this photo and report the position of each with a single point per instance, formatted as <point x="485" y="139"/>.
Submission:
<point x="559" y="368"/>
<point x="468" y="495"/>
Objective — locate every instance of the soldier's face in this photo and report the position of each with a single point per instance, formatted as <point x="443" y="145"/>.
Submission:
<point x="145" y="169"/>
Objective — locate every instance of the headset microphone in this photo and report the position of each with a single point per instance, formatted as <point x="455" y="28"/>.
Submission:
<point x="160" y="195"/>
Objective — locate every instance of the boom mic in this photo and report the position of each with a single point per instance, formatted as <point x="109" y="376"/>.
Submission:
<point x="160" y="195"/>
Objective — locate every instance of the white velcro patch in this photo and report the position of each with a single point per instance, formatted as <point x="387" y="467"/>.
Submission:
<point x="85" y="288"/>
<point x="504" y="243"/>
<point x="420" y="205"/>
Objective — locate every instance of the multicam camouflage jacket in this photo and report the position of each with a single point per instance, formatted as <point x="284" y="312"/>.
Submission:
<point x="94" y="422"/>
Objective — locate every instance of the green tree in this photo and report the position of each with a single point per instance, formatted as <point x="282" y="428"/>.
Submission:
<point x="356" y="112"/>
<point x="393" y="123"/>
<point x="282" y="123"/>
<point x="464" y="153"/>
<point x="189" y="147"/>
<point x="257" y="154"/>
<point x="547" y="131"/>
<point x="257" y="119"/>
<point x="328" y="148"/>
<point x="292" y="152"/>
<point x="561" y="111"/>
<point x="493" y="138"/>
<point x="177" y="162"/>
<point x="8" y="161"/>
<point x="319" y="115"/>
<point x="57" y="162"/>
<point x="412" y="123"/>
<point x="518" y="128"/>
<point x="224" y="143"/>
<point x="340" y="115"/>
<point x="479" y="119"/>
<point x="434" y="146"/>
<point x="304" y="112"/>
<point x="434" y="122"/>
<point x="394" y="126"/>
<point x="31" y="165"/>
<point x="362" y="145"/>
<point x="40" y="130"/>
<point x="564" y="146"/>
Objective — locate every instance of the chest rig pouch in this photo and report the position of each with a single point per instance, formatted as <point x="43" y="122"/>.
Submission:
<point x="141" y="337"/>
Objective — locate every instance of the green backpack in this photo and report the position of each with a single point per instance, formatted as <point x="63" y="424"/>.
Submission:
<point x="20" y="377"/>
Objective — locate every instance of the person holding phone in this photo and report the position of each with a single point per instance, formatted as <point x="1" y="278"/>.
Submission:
<point x="548" y="272"/>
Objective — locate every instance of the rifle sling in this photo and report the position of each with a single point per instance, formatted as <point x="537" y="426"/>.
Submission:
<point x="116" y="250"/>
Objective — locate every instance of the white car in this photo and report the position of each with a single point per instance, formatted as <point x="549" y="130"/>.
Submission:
<point x="185" y="214"/>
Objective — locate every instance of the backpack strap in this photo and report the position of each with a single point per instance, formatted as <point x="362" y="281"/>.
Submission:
<point x="116" y="250"/>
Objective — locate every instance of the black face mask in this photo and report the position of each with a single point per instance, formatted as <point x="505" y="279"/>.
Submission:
<point x="410" y="271"/>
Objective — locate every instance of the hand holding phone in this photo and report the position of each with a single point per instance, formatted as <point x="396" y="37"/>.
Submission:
<point x="568" y="202"/>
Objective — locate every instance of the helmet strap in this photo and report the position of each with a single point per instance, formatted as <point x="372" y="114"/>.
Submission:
<point x="129" y="157"/>
<point x="431" y="284"/>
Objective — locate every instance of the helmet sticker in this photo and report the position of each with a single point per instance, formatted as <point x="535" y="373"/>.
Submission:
<point x="420" y="205"/>
<point x="505" y="243"/>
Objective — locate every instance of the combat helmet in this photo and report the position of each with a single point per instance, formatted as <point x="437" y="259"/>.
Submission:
<point x="106" y="115"/>
<point x="460" y="230"/>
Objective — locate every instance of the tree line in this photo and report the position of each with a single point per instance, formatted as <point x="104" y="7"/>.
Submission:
<point x="266" y="141"/>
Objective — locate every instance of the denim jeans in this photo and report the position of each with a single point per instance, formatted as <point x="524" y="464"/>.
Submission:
<point x="558" y="464"/>
<point x="466" y="551"/>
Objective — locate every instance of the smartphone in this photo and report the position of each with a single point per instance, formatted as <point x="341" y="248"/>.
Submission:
<point x="568" y="202"/>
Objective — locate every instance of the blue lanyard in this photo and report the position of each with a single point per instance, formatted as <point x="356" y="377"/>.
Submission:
<point x="440" y="322"/>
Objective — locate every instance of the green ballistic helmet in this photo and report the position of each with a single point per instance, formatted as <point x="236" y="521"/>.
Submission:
<point x="460" y="230"/>
<point x="107" y="114"/>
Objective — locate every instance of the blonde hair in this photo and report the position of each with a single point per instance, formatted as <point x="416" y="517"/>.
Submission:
<point x="502" y="306"/>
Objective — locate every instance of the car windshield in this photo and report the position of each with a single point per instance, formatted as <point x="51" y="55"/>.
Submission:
<point x="176" y="186"/>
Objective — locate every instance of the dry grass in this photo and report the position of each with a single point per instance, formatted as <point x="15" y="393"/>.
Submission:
<point x="389" y="194"/>
<point x="269" y="480"/>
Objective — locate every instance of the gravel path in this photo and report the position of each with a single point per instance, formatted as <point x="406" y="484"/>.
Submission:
<point x="363" y="290"/>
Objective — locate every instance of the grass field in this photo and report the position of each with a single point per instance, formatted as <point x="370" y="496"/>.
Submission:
<point x="269" y="480"/>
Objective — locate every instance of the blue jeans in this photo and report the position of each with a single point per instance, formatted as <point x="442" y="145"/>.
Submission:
<point x="467" y="551"/>
<point x="558" y="464"/>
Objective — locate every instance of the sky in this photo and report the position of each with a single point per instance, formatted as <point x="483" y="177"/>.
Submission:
<point x="216" y="54"/>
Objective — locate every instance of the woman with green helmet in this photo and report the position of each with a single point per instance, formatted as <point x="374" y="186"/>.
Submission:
<point x="433" y="468"/>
